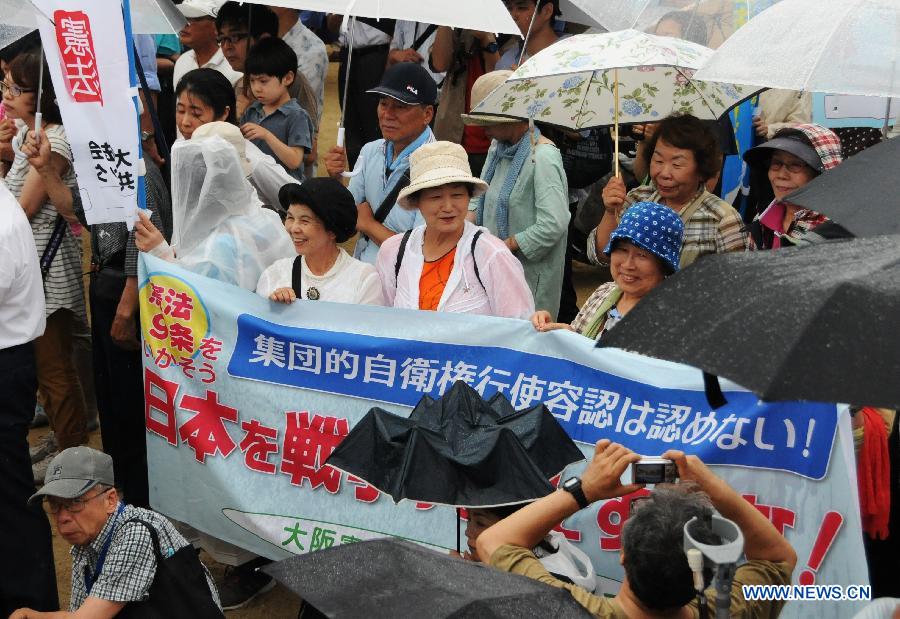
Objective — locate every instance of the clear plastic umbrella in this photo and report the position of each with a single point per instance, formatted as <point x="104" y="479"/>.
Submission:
<point x="850" y="47"/>
<point x="147" y="17"/>
<point x="706" y="22"/>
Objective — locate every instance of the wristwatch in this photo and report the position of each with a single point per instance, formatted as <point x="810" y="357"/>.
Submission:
<point x="146" y="135"/>
<point x="491" y="47"/>
<point x="573" y="487"/>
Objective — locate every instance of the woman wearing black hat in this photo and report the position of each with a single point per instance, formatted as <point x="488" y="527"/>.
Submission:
<point x="320" y="214"/>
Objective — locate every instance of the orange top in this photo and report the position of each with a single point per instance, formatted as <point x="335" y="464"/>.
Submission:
<point x="435" y="275"/>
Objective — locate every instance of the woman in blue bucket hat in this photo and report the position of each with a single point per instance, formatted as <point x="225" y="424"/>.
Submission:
<point x="643" y="250"/>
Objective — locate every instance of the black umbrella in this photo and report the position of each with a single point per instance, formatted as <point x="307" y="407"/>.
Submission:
<point x="393" y="578"/>
<point x="458" y="450"/>
<point x="862" y="194"/>
<point x="815" y="323"/>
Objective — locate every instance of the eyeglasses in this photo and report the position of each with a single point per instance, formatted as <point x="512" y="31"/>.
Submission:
<point x="53" y="505"/>
<point x="232" y="39"/>
<point x="13" y="90"/>
<point x="793" y="167"/>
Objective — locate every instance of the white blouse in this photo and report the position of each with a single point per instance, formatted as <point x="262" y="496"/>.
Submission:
<point x="348" y="281"/>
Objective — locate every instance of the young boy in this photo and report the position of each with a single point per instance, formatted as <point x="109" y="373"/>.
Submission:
<point x="275" y="122"/>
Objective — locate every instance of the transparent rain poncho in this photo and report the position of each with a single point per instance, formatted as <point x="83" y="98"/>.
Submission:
<point x="220" y="228"/>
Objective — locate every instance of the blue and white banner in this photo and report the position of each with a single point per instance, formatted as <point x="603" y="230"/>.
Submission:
<point x="246" y="398"/>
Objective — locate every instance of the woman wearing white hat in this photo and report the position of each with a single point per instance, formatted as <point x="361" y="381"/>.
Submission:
<point x="449" y="264"/>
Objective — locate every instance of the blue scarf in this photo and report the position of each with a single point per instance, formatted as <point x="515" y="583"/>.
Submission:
<point x="391" y="163"/>
<point x="518" y="153"/>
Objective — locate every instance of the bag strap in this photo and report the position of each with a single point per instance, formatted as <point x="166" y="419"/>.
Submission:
<point x="297" y="276"/>
<point x="390" y="199"/>
<point x="403" y="243"/>
<point x="424" y="36"/>
<point x="153" y="536"/>
<point x="474" y="259"/>
<point x="56" y="237"/>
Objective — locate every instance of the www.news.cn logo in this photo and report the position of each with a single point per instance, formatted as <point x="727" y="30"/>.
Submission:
<point x="792" y="593"/>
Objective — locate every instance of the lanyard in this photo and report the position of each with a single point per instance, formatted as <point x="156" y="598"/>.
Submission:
<point x="90" y="579"/>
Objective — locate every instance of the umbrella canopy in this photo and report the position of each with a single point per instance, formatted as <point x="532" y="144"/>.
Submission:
<point x="815" y="323"/>
<point x="708" y="22"/>
<point x="862" y="194"/>
<point x="388" y="578"/>
<point x="488" y="15"/>
<point x="572" y="83"/>
<point x="147" y="17"/>
<point x="458" y="450"/>
<point x="850" y="47"/>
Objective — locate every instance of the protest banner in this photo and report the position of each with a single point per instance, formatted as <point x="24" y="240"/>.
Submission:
<point x="89" y="56"/>
<point x="246" y="398"/>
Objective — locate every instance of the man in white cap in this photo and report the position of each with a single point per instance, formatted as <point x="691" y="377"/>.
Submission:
<point x="122" y="556"/>
<point x="200" y="36"/>
<point x="26" y="536"/>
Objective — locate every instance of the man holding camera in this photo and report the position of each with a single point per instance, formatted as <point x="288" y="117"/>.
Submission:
<point x="658" y="581"/>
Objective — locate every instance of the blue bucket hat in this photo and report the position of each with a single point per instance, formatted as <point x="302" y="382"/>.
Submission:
<point x="654" y="228"/>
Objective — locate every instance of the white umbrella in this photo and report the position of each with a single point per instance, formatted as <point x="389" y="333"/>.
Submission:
<point x="849" y="47"/>
<point x="147" y="17"/>
<point x="596" y="80"/>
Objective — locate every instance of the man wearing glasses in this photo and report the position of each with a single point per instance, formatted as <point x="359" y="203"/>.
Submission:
<point x="114" y="556"/>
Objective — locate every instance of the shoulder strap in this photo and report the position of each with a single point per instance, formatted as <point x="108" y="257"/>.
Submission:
<point x="400" y="252"/>
<point x="424" y="36"/>
<point x="297" y="276"/>
<point x="474" y="259"/>
<point x="153" y="536"/>
<point x="390" y="199"/>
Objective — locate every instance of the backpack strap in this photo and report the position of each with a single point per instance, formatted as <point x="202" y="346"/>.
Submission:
<point x="400" y="252"/>
<point x="297" y="276"/>
<point x="474" y="260"/>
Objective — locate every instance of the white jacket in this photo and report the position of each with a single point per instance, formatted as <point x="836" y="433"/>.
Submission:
<point x="505" y="292"/>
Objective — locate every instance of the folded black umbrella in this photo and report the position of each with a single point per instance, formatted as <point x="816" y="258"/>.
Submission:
<point x="388" y="578"/>
<point x="815" y="323"/>
<point x="862" y="194"/>
<point x="458" y="450"/>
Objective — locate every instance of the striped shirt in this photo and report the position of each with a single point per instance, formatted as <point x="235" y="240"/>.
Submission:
<point x="711" y="226"/>
<point x="130" y="564"/>
<point x="63" y="286"/>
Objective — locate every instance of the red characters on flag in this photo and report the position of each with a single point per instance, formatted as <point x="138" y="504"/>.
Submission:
<point x="76" y="52"/>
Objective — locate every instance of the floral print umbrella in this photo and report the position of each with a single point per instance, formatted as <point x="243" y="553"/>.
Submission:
<point x="574" y="83"/>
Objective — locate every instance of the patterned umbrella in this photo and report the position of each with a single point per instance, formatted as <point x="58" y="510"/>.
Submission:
<point x="597" y="80"/>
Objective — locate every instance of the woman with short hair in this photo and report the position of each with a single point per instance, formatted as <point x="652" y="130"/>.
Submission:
<point x="449" y="264"/>
<point x="681" y="156"/>
<point x="320" y="214"/>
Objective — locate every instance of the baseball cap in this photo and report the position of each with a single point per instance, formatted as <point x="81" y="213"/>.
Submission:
<point x="74" y="471"/>
<point x="200" y="8"/>
<point x="408" y="83"/>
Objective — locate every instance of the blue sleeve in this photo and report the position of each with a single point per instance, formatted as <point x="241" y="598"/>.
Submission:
<point x="299" y="129"/>
<point x="146" y="49"/>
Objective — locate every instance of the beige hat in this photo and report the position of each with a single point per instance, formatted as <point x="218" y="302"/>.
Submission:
<point x="436" y="164"/>
<point x="231" y="134"/>
<point x="483" y="86"/>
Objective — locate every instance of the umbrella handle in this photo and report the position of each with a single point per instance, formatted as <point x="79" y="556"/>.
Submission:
<point x="340" y="142"/>
<point x="616" y="129"/>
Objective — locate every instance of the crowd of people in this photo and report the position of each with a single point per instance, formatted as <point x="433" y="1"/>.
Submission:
<point x="451" y="212"/>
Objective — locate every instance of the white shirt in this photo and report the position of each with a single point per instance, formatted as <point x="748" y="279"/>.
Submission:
<point x="348" y="281"/>
<point x="188" y="62"/>
<point x="22" y="316"/>
<point x="312" y="60"/>
<point x="406" y="33"/>
<point x="364" y="35"/>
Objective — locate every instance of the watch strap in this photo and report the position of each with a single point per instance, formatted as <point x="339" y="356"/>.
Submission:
<point x="573" y="487"/>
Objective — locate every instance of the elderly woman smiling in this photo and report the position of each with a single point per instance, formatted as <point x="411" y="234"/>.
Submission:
<point x="450" y="264"/>
<point x="681" y="156"/>
<point x="643" y="250"/>
<point x="320" y="214"/>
